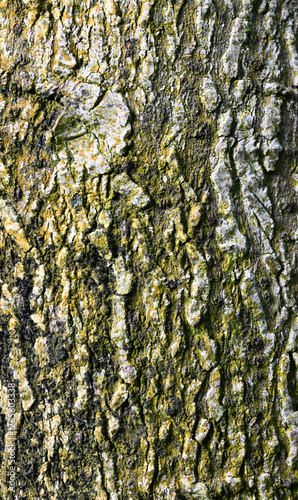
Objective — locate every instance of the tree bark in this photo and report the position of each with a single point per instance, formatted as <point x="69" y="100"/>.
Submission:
<point x="148" y="248"/>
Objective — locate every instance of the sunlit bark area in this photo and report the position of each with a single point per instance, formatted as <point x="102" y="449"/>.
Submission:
<point x="148" y="227"/>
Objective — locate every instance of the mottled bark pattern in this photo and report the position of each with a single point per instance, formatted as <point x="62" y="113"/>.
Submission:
<point x="148" y="224"/>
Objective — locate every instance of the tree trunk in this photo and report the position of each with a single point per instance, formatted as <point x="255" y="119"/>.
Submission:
<point x="148" y="317"/>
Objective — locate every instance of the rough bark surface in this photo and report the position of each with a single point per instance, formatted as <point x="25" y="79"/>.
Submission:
<point x="148" y="224"/>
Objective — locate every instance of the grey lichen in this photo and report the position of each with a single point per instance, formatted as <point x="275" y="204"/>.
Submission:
<point x="147" y="248"/>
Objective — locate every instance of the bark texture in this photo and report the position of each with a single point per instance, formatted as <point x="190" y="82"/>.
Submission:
<point x="148" y="163"/>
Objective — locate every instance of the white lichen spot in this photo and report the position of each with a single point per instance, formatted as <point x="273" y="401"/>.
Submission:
<point x="51" y="427"/>
<point x="205" y="16"/>
<point x="36" y="295"/>
<point x="111" y="117"/>
<point x="202" y="430"/>
<point x="119" y="397"/>
<point x="209" y="95"/>
<point x="4" y="175"/>
<point x="237" y="38"/>
<point x="62" y="257"/>
<point x="123" y="277"/>
<point x="12" y="225"/>
<point x="63" y="60"/>
<point x="199" y="289"/>
<point x="228" y="233"/>
<point x="134" y="194"/>
<point x="198" y="489"/>
<point x="113" y="425"/>
<point x="225" y="122"/>
<point x="291" y="45"/>
<point x="212" y="397"/>
<point x="175" y="347"/>
<point x="119" y="328"/>
<point x="128" y="373"/>
<point x="39" y="320"/>
<point x="104" y="218"/>
<point x="86" y="151"/>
